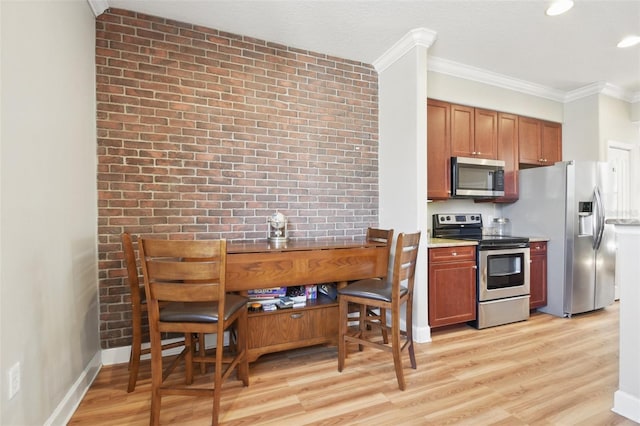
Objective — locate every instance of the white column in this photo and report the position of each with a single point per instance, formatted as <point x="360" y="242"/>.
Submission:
<point x="626" y="401"/>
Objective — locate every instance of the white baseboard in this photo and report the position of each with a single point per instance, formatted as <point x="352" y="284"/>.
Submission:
<point x="422" y="334"/>
<point x="626" y="405"/>
<point x="63" y="412"/>
<point x="121" y="355"/>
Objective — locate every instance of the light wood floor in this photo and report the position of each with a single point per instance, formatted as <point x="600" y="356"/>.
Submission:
<point x="545" y="371"/>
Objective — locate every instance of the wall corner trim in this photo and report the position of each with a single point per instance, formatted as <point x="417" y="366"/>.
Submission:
<point x="98" y="6"/>
<point x="417" y="37"/>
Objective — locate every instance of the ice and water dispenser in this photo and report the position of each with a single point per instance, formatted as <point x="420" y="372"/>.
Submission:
<point x="585" y="218"/>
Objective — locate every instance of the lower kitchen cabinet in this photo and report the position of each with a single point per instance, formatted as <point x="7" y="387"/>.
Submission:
<point x="452" y="285"/>
<point x="538" y="274"/>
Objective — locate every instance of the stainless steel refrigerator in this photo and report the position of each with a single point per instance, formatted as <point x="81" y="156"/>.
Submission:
<point x="568" y="203"/>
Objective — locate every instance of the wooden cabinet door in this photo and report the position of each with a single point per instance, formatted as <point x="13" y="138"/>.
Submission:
<point x="508" y="152"/>
<point x="538" y="275"/>
<point x="291" y="328"/>
<point x="438" y="150"/>
<point x="529" y="136"/>
<point x="452" y="285"/>
<point x="485" y="134"/>
<point x="551" y="143"/>
<point x="462" y="131"/>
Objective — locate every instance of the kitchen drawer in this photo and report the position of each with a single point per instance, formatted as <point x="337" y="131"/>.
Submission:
<point x="538" y="248"/>
<point x="452" y="254"/>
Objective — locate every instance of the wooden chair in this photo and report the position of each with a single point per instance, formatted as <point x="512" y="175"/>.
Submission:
<point x="373" y="318"/>
<point x="190" y="277"/>
<point x="389" y="294"/>
<point x="138" y="311"/>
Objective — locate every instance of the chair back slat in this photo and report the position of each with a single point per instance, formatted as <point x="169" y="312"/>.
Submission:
<point x="184" y="271"/>
<point x="406" y="256"/>
<point x="185" y="292"/>
<point x="163" y="269"/>
<point x="381" y="236"/>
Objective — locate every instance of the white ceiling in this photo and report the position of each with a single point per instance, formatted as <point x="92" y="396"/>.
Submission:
<point x="515" y="39"/>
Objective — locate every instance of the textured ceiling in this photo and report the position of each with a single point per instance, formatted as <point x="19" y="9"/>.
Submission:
<point x="510" y="38"/>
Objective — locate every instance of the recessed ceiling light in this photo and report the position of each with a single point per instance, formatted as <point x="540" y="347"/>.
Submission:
<point x="558" y="7"/>
<point x="629" y="41"/>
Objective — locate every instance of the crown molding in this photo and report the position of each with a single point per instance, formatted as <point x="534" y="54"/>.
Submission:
<point x="602" y="89"/>
<point x="98" y="6"/>
<point x="417" y="37"/>
<point x="455" y="69"/>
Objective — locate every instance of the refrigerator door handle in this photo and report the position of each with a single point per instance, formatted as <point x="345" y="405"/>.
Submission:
<point x="599" y="218"/>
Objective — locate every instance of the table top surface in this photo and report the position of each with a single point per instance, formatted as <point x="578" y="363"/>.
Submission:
<point x="298" y="244"/>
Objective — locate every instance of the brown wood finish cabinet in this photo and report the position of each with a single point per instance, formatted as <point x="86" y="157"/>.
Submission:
<point x="473" y="132"/>
<point x="538" y="274"/>
<point x="254" y="265"/>
<point x="508" y="152"/>
<point x="540" y="142"/>
<point x="438" y="150"/>
<point x="463" y="131"/>
<point x="452" y="285"/>
<point x="316" y="323"/>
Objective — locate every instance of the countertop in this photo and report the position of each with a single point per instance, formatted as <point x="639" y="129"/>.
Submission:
<point x="446" y="242"/>
<point x="537" y="239"/>
<point x="449" y="242"/>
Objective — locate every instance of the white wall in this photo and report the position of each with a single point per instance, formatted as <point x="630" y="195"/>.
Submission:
<point x="580" y="140"/>
<point x="472" y="93"/>
<point x="402" y="163"/>
<point x="48" y="257"/>
<point x="615" y="124"/>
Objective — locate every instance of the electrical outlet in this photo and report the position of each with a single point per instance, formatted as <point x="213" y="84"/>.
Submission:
<point x="14" y="380"/>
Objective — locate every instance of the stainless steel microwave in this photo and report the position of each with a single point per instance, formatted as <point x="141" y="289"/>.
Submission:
<point x="476" y="177"/>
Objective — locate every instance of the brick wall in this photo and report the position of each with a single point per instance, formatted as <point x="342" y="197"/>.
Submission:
<point x="204" y="134"/>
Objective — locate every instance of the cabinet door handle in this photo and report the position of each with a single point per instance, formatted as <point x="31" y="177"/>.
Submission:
<point x="453" y="253"/>
<point x="475" y="266"/>
<point x="296" y="316"/>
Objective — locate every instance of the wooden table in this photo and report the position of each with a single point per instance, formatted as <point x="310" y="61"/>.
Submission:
<point x="253" y="265"/>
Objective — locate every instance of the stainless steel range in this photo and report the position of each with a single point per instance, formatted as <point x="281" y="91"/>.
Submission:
<point x="503" y="268"/>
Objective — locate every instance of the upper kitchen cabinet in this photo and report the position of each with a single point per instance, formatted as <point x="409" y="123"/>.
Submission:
<point x="438" y="150"/>
<point x="540" y="142"/>
<point x="508" y="152"/>
<point x="474" y="132"/>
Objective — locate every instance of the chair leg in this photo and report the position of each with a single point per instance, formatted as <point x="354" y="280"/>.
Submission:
<point x="217" y="381"/>
<point x="201" y="352"/>
<point x="343" y="318"/>
<point x="362" y="321"/>
<point x="383" y="325"/>
<point x="188" y="358"/>
<point x="241" y="347"/>
<point x="156" y="378"/>
<point x="409" y="322"/>
<point x="134" y="357"/>
<point x="396" y="348"/>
